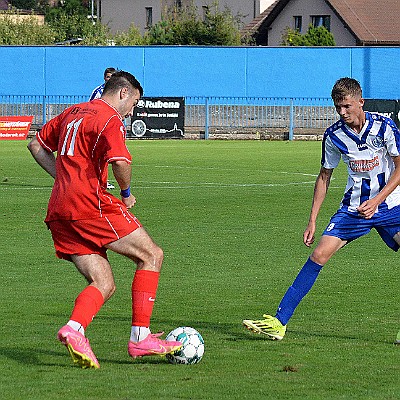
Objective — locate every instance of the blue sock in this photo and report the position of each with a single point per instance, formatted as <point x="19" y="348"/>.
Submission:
<point x="300" y="287"/>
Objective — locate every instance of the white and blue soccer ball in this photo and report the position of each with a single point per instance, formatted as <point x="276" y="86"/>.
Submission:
<point x="193" y="346"/>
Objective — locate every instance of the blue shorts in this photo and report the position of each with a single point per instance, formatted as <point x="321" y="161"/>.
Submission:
<point x="348" y="226"/>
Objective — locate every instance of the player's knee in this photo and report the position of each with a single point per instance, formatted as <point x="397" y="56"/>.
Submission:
<point x="319" y="257"/>
<point x="158" y="257"/>
<point x="153" y="259"/>
<point x="108" y="290"/>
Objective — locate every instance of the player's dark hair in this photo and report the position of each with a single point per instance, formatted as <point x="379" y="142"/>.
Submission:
<point x="109" y="70"/>
<point x="120" y="80"/>
<point x="344" y="87"/>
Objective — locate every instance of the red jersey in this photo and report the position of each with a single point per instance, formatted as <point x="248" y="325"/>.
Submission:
<point x="87" y="137"/>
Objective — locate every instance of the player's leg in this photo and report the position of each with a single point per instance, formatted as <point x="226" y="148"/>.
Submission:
<point x="307" y="276"/>
<point x="392" y="241"/>
<point x="140" y="247"/>
<point x="274" y="327"/>
<point x="396" y="238"/>
<point x="388" y="227"/>
<point x="97" y="271"/>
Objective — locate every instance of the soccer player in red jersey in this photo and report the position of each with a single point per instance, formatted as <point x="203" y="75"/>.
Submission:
<point x="85" y="220"/>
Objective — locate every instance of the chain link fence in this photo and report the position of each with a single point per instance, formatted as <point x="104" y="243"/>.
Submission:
<point x="208" y="117"/>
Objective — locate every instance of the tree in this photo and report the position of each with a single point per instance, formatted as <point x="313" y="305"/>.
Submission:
<point x="315" y="36"/>
<point x="130" y="38"/>
<point x="25" y="31"/>
<point x="222" y="28"/>
<point x="66" y="7"/>
<point x="35" y="5"/>
<point x="69" y="20"/>
<point x="183" y="26"/>
<point x="24" y="4"/>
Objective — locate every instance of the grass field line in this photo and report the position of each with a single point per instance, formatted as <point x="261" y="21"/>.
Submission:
<point x="224" y="169"/>
<point x="176" y="185"/>
<point x="24" y="187"/>
<point x="185" y="185"/>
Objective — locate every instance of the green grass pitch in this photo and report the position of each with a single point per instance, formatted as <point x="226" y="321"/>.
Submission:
<point x="230" y="217"/>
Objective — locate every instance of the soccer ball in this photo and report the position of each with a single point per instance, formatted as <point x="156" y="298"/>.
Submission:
<point x="193" y="346"/>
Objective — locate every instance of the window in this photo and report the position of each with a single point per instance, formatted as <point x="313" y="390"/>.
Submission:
<point x="178" y="4"/>
<point x="149" y="17"/>
<point x="321" y="20"/>
<point x="298" y="21"/>
<point x="205" y="13"/>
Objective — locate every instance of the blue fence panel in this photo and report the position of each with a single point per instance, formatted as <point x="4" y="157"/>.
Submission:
<point x="379" y="70"/>
<point x="295" y="72"/>
<point x="195" y="71"/>
<point x="201" y="71"/>
<point x="22" y="70"/>
<point x="78" y="70"/>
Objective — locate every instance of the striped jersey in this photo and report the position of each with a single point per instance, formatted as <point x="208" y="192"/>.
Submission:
<point x="368" y="157"/>
<point x="87" y="137"/>
<point x="97" y="92"/>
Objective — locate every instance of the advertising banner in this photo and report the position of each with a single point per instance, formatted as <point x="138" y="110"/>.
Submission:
<point x="388" y="108"/>
<point x="15" y="128"/>
<point x="158" y="117"/>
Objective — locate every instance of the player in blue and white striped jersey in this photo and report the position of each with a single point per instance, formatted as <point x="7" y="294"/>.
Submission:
<point x="369" y="145"/>
<point x="98" y="90"/>
<point x="368" y="157"/>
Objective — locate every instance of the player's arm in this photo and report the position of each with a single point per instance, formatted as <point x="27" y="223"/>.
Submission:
<point x="43" y="157"/>
<point x="122" y="171"/>
<point x="368" y="208"/>
<point x="320" y="189"/>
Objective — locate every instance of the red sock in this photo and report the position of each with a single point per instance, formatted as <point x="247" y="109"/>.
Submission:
<point x="87" y="305"/>
<point x="144" y="289"/>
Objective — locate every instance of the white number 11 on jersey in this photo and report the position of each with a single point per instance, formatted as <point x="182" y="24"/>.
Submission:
<point x="73" y="124"/>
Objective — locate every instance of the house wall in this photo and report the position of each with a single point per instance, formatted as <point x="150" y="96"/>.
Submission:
<point x="247" y="10"/>
<point x="307" y="8"/>
<point x="120" y="14"/>
<point x="202" y="71"/>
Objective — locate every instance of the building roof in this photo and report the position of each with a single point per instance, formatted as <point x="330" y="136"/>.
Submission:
<point x="372" y="22"/>
<point x="254" y="25"/>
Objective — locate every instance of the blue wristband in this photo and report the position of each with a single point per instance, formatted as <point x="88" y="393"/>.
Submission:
<point x="126" y="192"/>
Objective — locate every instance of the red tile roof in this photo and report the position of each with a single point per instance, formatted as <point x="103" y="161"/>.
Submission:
<point x="372" y="22"/>
<point x="255" y="24"/>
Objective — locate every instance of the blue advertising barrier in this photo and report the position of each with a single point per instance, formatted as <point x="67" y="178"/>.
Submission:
<point x="182" y="71"/>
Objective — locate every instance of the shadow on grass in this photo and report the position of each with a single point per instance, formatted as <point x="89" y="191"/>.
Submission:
<point x="237" y="332"/>
<point x="35" y="356"/>
<point x="31" y="356"/>
<point x="231" y="331"/>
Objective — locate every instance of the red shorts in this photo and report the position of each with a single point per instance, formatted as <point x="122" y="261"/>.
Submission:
<point x="89" y="236"/>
